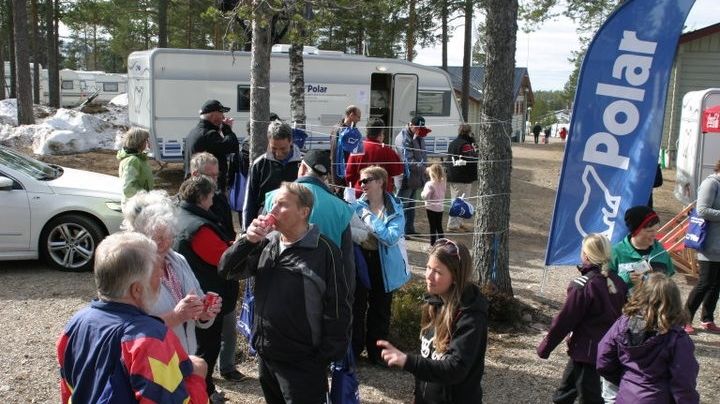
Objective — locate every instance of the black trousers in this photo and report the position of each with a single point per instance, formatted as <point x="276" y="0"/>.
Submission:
<point x="706" y="291"/>
<point x="435" y="222"/>
<point x="371" y="310"/>
<point x="581" y="381"/>
<point x="537" y="137"/>
<point x="296" y="382"/>
<point x="208" y="341"/>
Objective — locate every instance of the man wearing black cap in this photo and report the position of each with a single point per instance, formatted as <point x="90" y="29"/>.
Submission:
<point x="213" y="134"/>
<point x="640" y="252"/>
<point x="410" y="146"/>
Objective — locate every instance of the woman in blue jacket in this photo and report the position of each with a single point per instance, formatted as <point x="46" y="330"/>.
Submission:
<point x="383" y="250"/>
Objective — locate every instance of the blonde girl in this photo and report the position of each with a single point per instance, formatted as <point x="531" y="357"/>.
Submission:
<point x="594" y="301"/>
<point x="434" y="193"/>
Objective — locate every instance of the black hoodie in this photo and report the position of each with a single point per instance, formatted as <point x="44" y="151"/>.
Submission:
<point x="454" y="376"/>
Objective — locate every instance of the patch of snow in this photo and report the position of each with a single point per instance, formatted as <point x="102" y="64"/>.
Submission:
<point x="120" y="100"/>
<point x="74" y="132"/>
<point x="8" y="111"/>
<point x="65" y="131"/>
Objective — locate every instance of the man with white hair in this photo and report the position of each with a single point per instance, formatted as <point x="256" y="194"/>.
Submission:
<point x="206" y="164"/>
<point x="113" y="351"/>
<point x="214" y="135"/>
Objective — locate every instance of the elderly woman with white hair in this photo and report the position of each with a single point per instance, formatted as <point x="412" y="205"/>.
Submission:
<point x="180" y="303"/>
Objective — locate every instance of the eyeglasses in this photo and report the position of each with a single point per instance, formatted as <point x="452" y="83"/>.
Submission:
<point x="365" y="181"/>
<point x="452" y="248"/>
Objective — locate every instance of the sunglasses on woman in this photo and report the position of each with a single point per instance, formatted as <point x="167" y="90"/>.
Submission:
<point x="449" y="246"/>
<point x="365" y="181"/>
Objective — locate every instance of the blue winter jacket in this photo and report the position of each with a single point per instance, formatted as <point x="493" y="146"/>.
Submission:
<point x="389" y="232"/>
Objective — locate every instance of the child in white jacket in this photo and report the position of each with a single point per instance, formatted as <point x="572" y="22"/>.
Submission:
<point x="434" y="194"/>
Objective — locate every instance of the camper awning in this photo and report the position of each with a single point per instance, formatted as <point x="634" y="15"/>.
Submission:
<point x="711" y="119"/>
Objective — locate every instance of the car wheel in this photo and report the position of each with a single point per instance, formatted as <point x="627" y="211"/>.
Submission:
<point x="68" y="242"/>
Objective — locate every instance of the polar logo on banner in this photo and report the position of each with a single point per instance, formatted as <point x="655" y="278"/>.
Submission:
<point x="592" y="182"/>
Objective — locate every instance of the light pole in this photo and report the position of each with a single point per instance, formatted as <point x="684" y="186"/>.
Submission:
<point x="526" y="108"/>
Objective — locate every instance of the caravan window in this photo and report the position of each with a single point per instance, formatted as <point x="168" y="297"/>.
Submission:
<point x="110" y="87"/>
<point x="433" y="103"/>
<point x="243" y="98"/>
<point x="67" y="85"/>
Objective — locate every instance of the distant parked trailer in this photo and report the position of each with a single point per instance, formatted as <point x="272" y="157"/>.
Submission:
<point x="77" y="85"/>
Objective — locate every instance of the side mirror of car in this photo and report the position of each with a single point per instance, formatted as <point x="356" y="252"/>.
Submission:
<point x="6" y="184"/>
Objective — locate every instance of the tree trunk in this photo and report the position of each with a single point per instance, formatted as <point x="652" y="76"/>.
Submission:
<point x="297" y="84"/>
<point x="410" y="32"/>
<point x="36" y="52"/>
<point x="2" y="72"/>
<point x="188" y="38"/>
<point x="444" y="39"/>
<point x="22" y="63"/>
<point x="162" y="23"/>
<point x="52" y="50"/>
<point x="493" y="208"/>
<point x="259" y="79"/>
<point x="467" y="54"/>
<point x="11" y="49"/>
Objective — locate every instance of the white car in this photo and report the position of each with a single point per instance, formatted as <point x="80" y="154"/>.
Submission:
<point x="56" y="213"/>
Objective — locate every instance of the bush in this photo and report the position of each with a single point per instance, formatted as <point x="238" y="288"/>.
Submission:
<point x="405" y="320"/>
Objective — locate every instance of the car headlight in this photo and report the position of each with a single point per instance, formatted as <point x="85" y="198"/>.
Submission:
<point x="114" y="206"/>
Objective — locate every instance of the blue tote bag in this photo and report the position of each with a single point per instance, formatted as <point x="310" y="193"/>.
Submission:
<point x="696" y="231"/>
<point x="344" y="388"/>
<point x="246" y="318"/>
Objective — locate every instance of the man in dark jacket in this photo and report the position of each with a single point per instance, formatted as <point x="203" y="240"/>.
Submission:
<point x="213" y="134"/>
<point x="410" y="146"/>
<point x="536" y="132"/>
<point x="461" y="169"/>
<point x="280" y="163"/>
<point x="303" y="298"/>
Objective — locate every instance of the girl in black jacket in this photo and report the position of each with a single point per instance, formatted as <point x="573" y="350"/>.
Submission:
<point x="453" y="337"/>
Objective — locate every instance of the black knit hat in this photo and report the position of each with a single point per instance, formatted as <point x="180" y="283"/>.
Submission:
<point x="640" y="217"/>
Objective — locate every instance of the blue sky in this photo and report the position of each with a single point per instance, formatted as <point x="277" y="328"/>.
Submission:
<point x="545" y="52"/>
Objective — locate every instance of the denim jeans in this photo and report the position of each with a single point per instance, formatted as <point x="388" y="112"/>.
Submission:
<point x="407" y="196"/>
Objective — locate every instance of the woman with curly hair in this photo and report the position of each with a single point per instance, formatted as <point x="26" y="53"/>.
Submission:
<point x="646" y="352"/>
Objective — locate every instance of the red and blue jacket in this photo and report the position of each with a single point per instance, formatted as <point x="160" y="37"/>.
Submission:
<point x="113" y="352"/>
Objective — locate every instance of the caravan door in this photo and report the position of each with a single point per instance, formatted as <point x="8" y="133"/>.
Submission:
<point x="404" y="98"/>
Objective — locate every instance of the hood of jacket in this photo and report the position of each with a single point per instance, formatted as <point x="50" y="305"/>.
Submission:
<point x="124" y="153"/>
<point x="646" y="352"/>
<point x="392" y="204"/>
<point x="295" y="155"/>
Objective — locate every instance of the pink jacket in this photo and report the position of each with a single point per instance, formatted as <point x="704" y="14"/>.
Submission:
<point x="434" y="194"/>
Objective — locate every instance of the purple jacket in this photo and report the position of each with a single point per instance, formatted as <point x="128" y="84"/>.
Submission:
<point x="589" y="311"/>
<point x="658" y="369"/>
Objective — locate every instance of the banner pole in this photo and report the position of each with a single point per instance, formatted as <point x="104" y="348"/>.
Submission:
<point x="544" y="279"/>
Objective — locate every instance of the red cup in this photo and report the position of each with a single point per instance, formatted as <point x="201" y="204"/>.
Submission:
<point x="210" y="299"/>
<point x="270" y="220"/>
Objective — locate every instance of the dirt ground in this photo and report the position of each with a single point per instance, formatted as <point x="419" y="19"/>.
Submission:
<point x="37" y="302"/>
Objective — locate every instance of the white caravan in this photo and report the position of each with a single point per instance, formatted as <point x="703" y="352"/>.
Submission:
<point x="698" y="151"/>
<point x="167" y="87"/>
<point x="77" y="85"/>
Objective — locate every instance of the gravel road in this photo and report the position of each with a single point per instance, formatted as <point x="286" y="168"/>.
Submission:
<point x="36" y="302"/>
